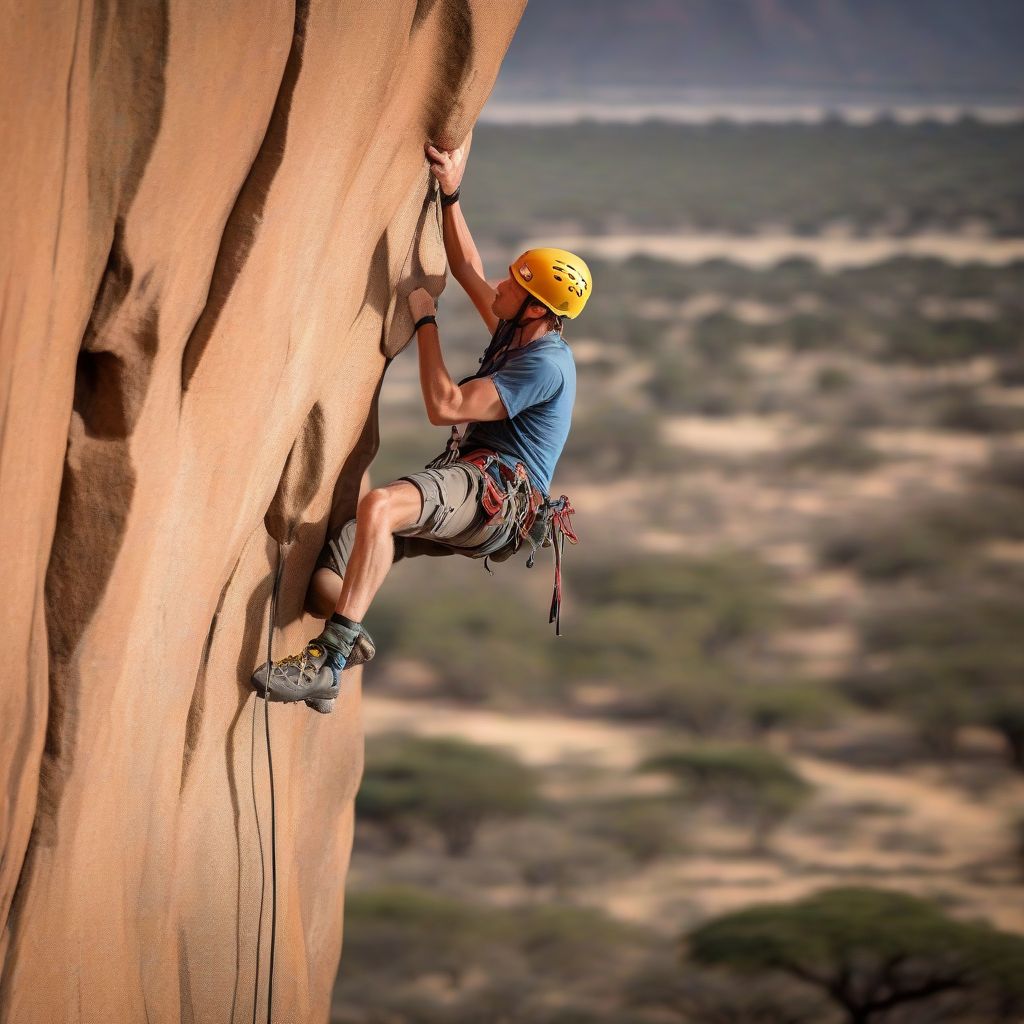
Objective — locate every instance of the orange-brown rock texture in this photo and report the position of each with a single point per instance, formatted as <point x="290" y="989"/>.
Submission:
<point x="211" y="215"/>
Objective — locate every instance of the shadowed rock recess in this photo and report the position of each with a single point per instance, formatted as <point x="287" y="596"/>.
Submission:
<point x="211" y="216"/>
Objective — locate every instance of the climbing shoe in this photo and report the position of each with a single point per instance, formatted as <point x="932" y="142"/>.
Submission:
<point x="313" y="675"/>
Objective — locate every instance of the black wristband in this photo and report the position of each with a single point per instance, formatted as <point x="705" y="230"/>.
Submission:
<point x="428" y="319"/>
<point x="453" y="198"/>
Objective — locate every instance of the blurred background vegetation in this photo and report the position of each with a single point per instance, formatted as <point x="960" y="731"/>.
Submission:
<point x="774" y="771"/>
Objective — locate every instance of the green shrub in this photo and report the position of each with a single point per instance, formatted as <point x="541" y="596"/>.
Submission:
<point x="833" y="380"/>
<point x="790" y="705"/>
<point x="750" y="781"/>
<point x="1006" y="468"/>
<point x="927" y="342"/>
<point x="948" y="661"/>
<point x="646" y="828"/>
<point x="401" y="932"/>
<point x="449" y="784"/>
<point x="926" y="537"/>
<point x="837" y="451"/>
<point x="967" y="411"/>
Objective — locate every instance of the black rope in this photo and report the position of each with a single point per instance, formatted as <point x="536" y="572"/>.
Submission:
<point x="278" y="575"/>
<point x="263" y="863"/>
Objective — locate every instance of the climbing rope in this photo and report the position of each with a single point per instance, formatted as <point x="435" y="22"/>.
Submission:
<point x="278" y="576"/>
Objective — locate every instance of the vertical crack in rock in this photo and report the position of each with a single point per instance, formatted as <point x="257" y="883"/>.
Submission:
<point x="126" y="103"/>
<point x="377" y="294"/>
<point x="116" y="357"/>
<point x="95" y="495"/>
<point x="300" y="479"/>
<point x="198" y="703"/>
<point x="244" y="220"/>
<point x="346" y="489"/>
<point x="397" y="324"/>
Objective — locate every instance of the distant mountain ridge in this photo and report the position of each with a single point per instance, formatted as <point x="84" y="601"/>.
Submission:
<point x="949" y="47"/>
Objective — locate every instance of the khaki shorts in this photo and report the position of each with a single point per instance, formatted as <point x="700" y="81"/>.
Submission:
<point x="451" y="522"/>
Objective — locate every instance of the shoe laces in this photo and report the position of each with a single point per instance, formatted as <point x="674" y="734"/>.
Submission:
<point x="302" y="657"/>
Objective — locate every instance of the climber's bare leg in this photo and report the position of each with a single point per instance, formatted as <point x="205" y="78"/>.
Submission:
<point x="323" y="593"/>
<point x="381" y="513"/>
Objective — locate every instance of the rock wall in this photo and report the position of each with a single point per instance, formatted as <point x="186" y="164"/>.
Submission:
<point x="211" y="215"/>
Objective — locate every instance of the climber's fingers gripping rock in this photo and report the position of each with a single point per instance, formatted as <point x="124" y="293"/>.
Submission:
<point x="421" y="304"/>
<point x="448" y="165"/>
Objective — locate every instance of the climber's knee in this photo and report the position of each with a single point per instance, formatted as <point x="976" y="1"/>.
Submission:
<point x="323" y="593"/>
<point x="387" y="509"/>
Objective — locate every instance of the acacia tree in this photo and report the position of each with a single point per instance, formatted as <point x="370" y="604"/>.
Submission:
<point x="869" y="951"/>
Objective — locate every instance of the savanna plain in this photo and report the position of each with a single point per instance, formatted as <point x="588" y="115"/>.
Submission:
<point x="774" y="770"/>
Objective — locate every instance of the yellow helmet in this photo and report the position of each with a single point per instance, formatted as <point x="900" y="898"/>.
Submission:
<point x="559" y="279"/>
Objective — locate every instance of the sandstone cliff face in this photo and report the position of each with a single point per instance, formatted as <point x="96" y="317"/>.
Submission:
<point x="212" y="214"/>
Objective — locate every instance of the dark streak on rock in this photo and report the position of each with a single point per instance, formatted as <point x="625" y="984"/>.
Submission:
<point x="300" y="479"/>
<point x="186" y="1007"/>
<point x="377" y="294"/>
<point x="95" y="496"/>
<point x="423" y="9"/>
<point x="244" y="220"/>
<point x="198" y="702"/>
<point x="126" y="102"/>
<point x="452" y="67"/>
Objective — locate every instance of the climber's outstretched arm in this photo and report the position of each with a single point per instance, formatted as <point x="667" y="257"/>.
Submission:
<point x="476" y="401"/>
<point x="448" y="166"/>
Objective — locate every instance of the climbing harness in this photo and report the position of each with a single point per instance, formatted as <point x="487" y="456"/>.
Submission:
<point x="539" y="521"/>
<point x="278" y="576"/>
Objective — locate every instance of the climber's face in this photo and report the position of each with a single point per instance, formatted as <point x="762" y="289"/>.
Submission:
<point x="509" y="295"/>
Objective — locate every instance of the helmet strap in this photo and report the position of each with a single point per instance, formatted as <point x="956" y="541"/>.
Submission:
<point x="501" y="340"/>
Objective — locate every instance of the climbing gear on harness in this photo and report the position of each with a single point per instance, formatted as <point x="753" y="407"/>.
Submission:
<point x="450" y="200"/>
<point x="558" y="278"/>
<point x="538" y="521"/>
<point x="555" y="526"/>
<point x="311" y="676"/>
<point x="517" y="504"/>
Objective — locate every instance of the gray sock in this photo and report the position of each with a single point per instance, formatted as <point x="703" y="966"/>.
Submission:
<point x="341" y="637"/>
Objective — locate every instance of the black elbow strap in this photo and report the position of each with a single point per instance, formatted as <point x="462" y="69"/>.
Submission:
<point x="428" y="319"/>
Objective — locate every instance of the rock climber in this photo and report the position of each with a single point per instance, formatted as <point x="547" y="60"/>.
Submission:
<point x="487" y="494"/>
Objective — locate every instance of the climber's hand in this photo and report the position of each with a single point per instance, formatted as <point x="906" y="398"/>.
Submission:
<point x="421" y="303"/>
<point x="448" y="165"/>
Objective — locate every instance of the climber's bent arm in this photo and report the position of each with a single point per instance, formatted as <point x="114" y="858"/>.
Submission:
<point x="448" y="167"/>
<point x="476" y="401"/>
<point x="465" y="264"/>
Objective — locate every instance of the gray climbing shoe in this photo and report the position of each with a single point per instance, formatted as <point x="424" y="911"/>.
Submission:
<point x="309" y="676"/>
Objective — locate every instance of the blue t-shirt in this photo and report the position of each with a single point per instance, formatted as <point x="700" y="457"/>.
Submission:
<point x="537" y="386"/>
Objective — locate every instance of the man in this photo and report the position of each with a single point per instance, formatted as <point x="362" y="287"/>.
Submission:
<point x="481" y="500"/>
